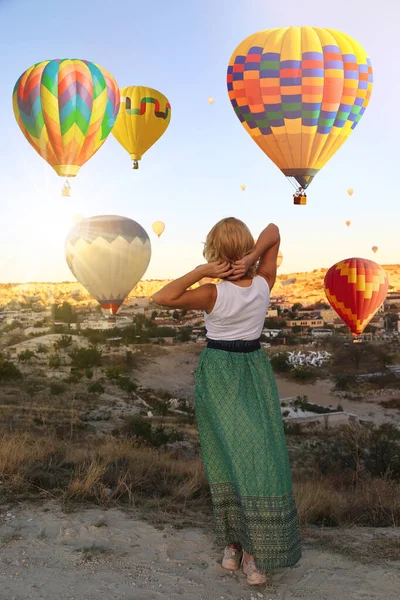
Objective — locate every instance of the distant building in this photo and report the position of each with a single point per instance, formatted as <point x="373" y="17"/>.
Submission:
<point x="322" y="332"/>
<point x="272" y="313"/>
<point x="309" y="323"/>
<point x="271" y="333"/>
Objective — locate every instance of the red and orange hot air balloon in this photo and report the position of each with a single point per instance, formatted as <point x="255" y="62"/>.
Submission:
<point x="356" y="289"/>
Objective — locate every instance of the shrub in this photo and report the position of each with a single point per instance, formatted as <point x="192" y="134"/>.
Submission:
<point x="54" y="361"/>
<point x="57" y="388"/>
<point x="26" y="355"/>
<point x="96" y="388"/>
<point x="142" y="430"/>
<point x="86" y="358"/>
<point x="126" y="384"/>
<point x="114" y="372"/>
<point x="279" y="362"/>
<point x="304" y="375"/>
<point x="8" y="371"/>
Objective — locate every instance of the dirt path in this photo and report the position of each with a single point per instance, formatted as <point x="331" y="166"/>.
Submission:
<point x="46" y="554"/>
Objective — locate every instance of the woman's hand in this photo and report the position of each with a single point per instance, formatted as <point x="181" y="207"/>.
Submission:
<point x="217" y="270"/>
<point x="241" y="267"/>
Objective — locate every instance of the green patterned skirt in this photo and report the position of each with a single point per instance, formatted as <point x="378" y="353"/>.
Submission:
<point x="245" y="456"/>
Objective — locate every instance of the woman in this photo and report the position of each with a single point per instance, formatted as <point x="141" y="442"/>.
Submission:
<point x="237" y="403"/>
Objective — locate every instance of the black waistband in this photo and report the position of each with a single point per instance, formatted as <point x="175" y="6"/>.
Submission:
<point x="234" y="345"/>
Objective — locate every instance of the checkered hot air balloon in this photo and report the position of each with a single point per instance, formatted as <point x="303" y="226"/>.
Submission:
<point x="108" y="255"/>
<point x="66" y="109"/>
<point x="299" y="92"/>
<point x="356" y="289"/>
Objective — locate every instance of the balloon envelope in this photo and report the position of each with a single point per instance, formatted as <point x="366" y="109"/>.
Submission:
<point x="211" y="100"/>
<point x="299" y="92"/>
<point x="279" y="259"/>
<point x="350" y="192"/>
<point x="348" y="223"/>
<point x="143" y="117"/>
<point x="374" y="249"/>
<point x="108" y="255"/>
<point x="66" y="109"/>
<point x="356" y="288"/>
<point x="242" y="187"/>
<point x="158" y="227"/>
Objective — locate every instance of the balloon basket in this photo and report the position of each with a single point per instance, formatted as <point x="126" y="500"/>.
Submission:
<point x="135" y="164"/>
<point x="66" y="190"/>
<point x="300" y="199"/>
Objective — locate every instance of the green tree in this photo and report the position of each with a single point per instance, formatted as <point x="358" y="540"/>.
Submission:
<point x="175" y="315"/>
<point x="96" y="388"/>
<point x="8" y="371"/>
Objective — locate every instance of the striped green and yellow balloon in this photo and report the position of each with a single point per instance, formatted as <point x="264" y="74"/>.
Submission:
<point x="66" y="109"/>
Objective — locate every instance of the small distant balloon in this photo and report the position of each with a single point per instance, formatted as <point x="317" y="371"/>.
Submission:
<point x="348" y="223"/>
<point x="350" y="191"/>
<point x="242" y="187"/>
<point x="375" y="249"/>
<point x="158" y="227"/>
<point x="279" y="259"/>
<point x="211" y="100"/>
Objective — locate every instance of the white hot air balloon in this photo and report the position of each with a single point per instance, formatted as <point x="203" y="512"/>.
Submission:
<point x="108" y="255"/>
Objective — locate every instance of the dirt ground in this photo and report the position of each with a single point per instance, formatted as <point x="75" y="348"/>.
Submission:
<point x="46" y="554"/>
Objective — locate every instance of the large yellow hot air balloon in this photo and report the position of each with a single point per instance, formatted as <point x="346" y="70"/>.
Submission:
<point x="158" y="227"/>
<point x="66" y="109"/>
<point x="143" y="117"/>
<point x="299" y="92"/>
<point x="108" y="255"/>
<point x="350" y="192"/>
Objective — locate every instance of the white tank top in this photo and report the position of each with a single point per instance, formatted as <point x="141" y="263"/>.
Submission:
<point x="239" y="312"/>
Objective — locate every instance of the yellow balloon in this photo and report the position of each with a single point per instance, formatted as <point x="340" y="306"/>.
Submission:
<point x="348" y="223"/>
<point x="350" y="192"/>
<point x="374" y="249"/>
<point x="143" y="117"/>
<point x="242" y="187"/>
<point x="158" y="227"/>
<point x="211" y="100"/>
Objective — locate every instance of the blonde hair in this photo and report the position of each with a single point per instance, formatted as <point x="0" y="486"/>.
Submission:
<point x="229" y="240"/>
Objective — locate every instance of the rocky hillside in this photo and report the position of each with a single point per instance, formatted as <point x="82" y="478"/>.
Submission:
<point x="307" y="289"/>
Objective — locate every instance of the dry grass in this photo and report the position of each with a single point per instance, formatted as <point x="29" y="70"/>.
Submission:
<point x="114" y="472"/>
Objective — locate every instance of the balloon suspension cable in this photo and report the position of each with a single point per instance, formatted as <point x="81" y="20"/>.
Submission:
<point x="66" y="190"/>
<point x="300" y="197"/>
<point x="135" y="164"/>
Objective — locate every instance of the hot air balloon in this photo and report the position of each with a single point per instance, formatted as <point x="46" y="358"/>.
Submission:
<point x="356" y="288"/>
<point x="211" y="100"/>
<point x="242" y="187"/>
<point x="108" y="255"/>
<point x="374" y="249"/>
<point x="350" y="192"/>
<point x="348" y="223"/>
<point x="66" y="109"/>
<point x="279" y="259"/>
<point x="143" y="118"/>
<point x="158" y="227"/>
<point x="299" y="92"/>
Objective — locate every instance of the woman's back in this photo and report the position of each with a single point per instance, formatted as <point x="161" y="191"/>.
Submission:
<point x="239" y="312"/>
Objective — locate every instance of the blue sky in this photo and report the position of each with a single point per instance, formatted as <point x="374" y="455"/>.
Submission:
<point x="191" y="178"/>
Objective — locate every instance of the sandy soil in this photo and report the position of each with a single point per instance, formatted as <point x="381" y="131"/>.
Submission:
<point x="172" y="368"/>
<point x="46" y="554"/>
